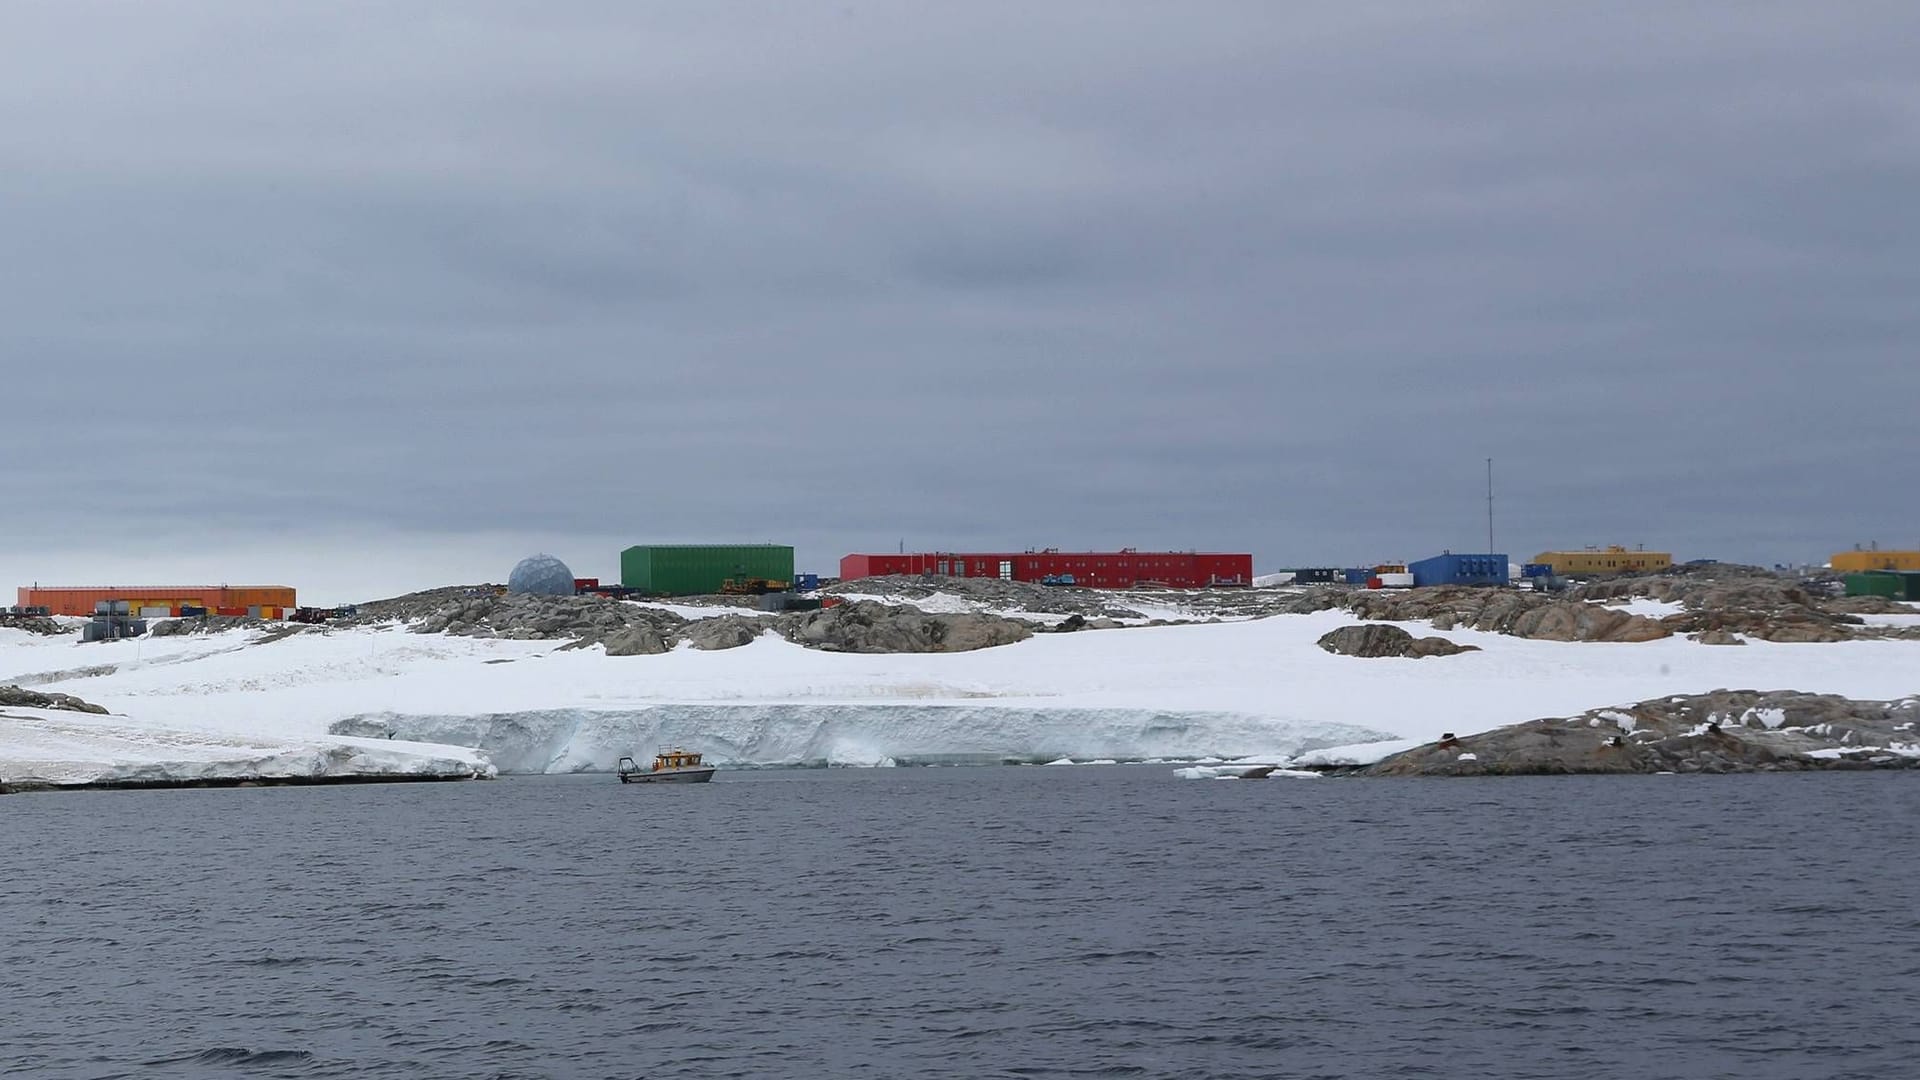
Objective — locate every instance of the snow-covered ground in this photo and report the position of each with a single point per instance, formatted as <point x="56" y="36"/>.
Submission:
<point x="1234" y="690"/>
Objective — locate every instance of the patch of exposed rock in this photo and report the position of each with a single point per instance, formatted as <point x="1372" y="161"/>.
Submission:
<point x="213" y="624"/>
<point x="33" y="624"/>
<point x="626" y="629"/>
<point x="1381" y="640"/>
<point x="1073" y="623"/>
<point x="1746" y="600"/>
<point x="726" y="632"/>
<point x="35" y="699"/>
<point x="1723" y="731"/>
<point x="994" y="592"/>
<point x="1505" y="611"/>
<point x="865" y="626"/>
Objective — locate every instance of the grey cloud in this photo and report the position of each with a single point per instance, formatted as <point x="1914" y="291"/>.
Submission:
<point x="1236" y="276"/>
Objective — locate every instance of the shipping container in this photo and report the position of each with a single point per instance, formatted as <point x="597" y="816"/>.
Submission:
<point x="1470" y="569"/>
<point x="1093" y="569"/>
<point x="703" y="569"/>
<point x="1892" y="584"/>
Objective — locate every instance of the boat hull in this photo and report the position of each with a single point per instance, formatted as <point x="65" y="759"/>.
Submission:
<point x="698" y="775"/>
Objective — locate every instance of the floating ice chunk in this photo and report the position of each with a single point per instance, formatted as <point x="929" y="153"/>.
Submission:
<point x="1101" y="761"/>
<point x="1061" y="761"/>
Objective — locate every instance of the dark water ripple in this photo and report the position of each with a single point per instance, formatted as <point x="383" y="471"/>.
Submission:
<point x="1021" y="922"/>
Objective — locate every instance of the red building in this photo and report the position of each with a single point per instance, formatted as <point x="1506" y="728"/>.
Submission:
<point x="1095" y="569"/>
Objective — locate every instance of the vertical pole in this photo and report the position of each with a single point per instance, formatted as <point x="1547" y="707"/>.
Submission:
<point x="1489" y="506"/>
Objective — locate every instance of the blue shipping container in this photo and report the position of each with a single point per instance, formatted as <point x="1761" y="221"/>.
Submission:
<point x="1451" y="569"/>
<point x="1357" y="575"/>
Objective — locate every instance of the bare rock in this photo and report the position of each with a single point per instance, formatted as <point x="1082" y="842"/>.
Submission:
<point x="1717" y="637"/>
<point x="636" y="641"/>
<point x="35" y="699"/>
<point x="1716" y="732"/>
<point x="726" y="632"/>
<point x="1379" y="640"/>
<point x="869" y="627"/>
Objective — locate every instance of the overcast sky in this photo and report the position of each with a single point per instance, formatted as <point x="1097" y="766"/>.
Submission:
<point x="363" y="296"/>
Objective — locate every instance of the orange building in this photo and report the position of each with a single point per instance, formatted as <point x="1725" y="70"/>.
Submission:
<point x="163" y="601"/>
<point x="1856" y="562"/>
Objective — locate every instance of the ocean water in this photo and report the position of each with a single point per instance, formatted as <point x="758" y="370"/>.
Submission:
<point x="968" y="922"/>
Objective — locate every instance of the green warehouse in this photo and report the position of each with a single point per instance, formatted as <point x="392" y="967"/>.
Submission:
<point x="701" y="569"/>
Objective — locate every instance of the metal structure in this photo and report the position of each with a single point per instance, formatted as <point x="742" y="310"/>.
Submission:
<point x="113" y="620"/>
<point x="1892" y="584"/>
<point x="1093" y="569"/>
<point x="541" y="575"/>
<point x="1467" y="569"/>
<point x="706" y="569"/>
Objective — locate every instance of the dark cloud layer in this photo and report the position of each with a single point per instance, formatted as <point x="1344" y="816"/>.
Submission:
<point x="1234" y="275"/>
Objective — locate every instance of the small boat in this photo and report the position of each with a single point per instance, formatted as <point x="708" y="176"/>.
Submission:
<point x="671" y="765"/>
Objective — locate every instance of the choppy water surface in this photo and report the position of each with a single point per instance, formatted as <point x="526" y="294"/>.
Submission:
<point x="1027" y="922"/>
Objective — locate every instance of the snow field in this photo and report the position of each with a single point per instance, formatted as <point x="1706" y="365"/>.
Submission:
<point x="1235" y="690"/>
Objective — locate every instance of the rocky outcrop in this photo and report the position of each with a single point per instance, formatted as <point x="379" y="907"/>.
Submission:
<point x="35" y="699"/>
<point x="869" y="627"/>
<point x="1718" y="732"/>
<point x="1505" y="611"/>
<point x="636" y="641"/>
<point x="213" y="624"/>
<point x="1382" y="640"/>
<point x="1072" y="623"/>
<point x="727" y="632"/>
<point x="626" y="629"/>
<point x="33" y="624"/>
<point x="1748" y="601"/>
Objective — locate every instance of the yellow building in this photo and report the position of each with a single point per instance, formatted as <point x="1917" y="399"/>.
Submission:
<point x="1855" y="562"/>
<point x="1611" y="560"/>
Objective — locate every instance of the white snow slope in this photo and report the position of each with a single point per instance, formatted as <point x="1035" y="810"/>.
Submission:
<point x="1254" y="689"/>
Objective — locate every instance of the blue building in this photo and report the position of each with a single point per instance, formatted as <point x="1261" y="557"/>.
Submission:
<point x="1450" y="569"/>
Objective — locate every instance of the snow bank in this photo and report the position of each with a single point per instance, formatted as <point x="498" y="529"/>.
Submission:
<point x="60" y="747"/>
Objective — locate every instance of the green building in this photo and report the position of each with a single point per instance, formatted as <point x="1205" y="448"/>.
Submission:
<point x="701" y="569"/>
<point x="1892" y="584"/>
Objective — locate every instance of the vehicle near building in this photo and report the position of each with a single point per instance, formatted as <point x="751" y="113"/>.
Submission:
<point x="1121" y="569"/>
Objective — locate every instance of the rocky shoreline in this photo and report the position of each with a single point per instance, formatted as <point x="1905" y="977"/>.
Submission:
<point x="1724" y="731"/>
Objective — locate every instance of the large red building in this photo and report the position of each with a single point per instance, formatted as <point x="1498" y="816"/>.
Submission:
<point x="1095" y="569"/>
<point x="162" y="601"/>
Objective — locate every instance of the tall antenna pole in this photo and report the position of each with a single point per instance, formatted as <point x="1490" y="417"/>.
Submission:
<point x="1489" y="506"/>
